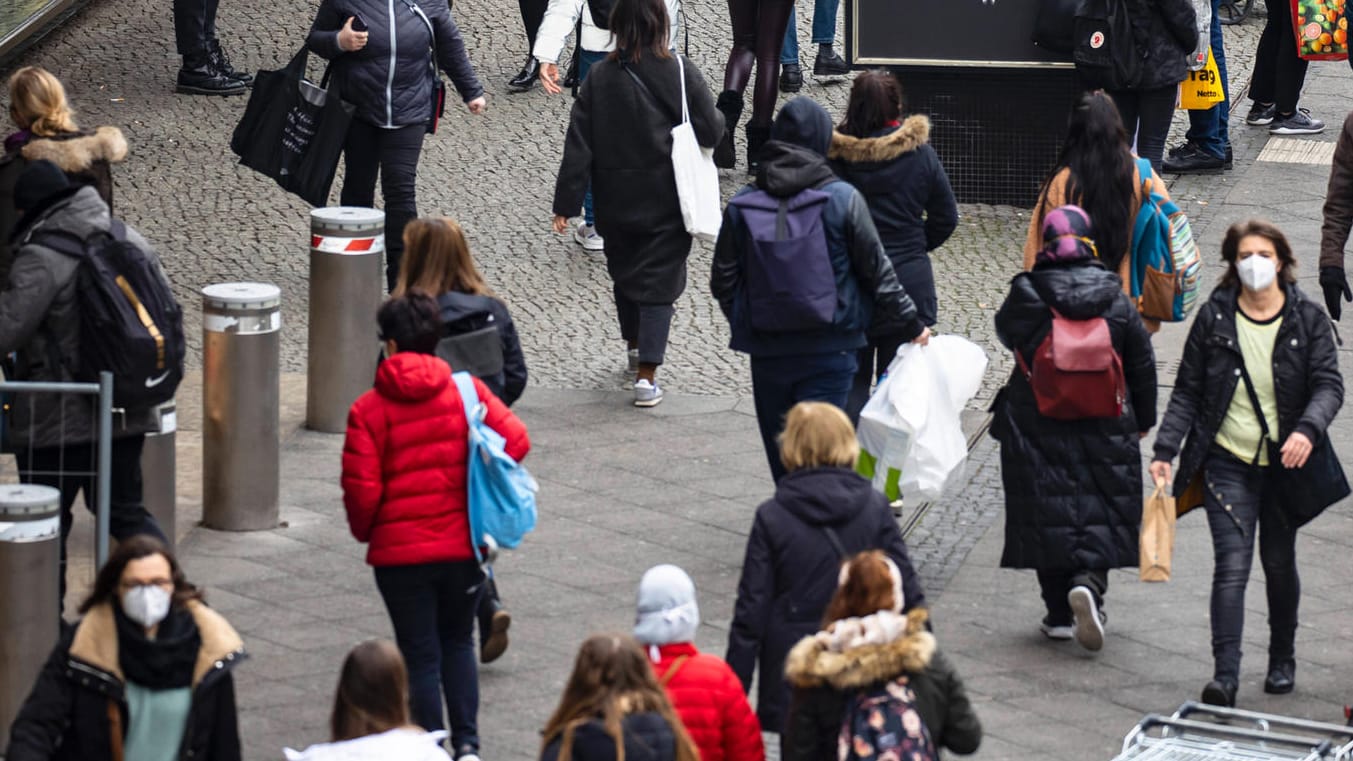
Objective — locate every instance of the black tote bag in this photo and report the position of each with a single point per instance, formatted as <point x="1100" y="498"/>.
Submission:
<point x="293" y="131"/>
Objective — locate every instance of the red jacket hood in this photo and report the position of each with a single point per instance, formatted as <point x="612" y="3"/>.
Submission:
<point x="412" y="377"/>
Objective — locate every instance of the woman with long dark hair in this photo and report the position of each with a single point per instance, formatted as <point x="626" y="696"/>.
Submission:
<point x="1257" y="388"/>
<point x="614" y="708"/>
<point x="1097" y="172"/>
<point x="145" y="674"/>
<point x="758" y="33"/>
<point x="890" y="161"/>
<point x="619" y="137"/>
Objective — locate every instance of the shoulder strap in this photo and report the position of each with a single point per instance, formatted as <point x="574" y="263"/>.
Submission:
<point x="836" y="541"/>
<point x="469" y="397"/>
<point x="432" y="32"/>
<point x="1258" y="409"/>
<point x="62" y="242"/>
<point x="649" y="93"/>
<point x="673" y="669"/>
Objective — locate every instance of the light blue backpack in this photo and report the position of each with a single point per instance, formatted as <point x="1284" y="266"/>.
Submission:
<point x="500" y="494"/>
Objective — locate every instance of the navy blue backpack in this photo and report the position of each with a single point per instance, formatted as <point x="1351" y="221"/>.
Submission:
<point x="791" y="287"/>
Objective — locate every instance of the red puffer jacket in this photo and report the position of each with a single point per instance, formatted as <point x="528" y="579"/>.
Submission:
<point x="709" y="699"/>
<point x="404" y="462"/>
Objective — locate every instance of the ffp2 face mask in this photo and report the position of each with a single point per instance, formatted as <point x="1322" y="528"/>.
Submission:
<point x="146" y="605"/>
<point x="1257" y="272"/>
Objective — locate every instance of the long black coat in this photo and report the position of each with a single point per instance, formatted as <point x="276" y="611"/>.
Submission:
<point x="1073" y="488"/>
<point x="1169" y="32"/>
<point x="789" y="572"/>
<point x="1306" y="378"/>
<point x="620" y="140"/>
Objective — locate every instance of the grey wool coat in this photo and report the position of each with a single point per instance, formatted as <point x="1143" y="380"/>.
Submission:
<point x="619" y="139"/>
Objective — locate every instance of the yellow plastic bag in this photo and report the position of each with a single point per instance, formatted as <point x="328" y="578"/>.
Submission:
<point x="1202" y="89"/>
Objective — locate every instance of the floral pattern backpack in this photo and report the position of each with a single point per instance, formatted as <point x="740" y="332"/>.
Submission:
<point x="881" y="724"/>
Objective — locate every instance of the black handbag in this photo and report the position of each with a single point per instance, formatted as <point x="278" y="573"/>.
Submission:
<point x="1055" y="25"/>
<point x="293" y="130"/>
<point x="1302" y="493"/>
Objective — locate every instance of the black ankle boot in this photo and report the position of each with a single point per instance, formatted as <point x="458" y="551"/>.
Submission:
<point x="200" y="76"/>
<point x="526" y="78"/>
<point x="757" y="135"/>
<point x="730" y="105"/>
<point x="1282" y="676"/>
<point x="218" y="57"/>
<point x="1220" y="693"/>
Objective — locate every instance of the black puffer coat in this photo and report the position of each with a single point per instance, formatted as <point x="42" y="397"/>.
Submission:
<point x="620" y="139"/>
<point x="647" y="737"/>
<point x="1306" y="378"/>
<point x="789" y="572"/>
<point x="390" y="80"/>
<point x="1167" y="37"/>
<point x="468" y="312"/>
<point x="1073" y="488"/>
<point x="909" y="198"/>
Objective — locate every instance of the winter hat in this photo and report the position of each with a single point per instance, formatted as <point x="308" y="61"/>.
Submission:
<point x="38" y="181"/>
<point x="1066" y="236"/>
<point x="804" y="123"/>
<point x="666" y="609"/>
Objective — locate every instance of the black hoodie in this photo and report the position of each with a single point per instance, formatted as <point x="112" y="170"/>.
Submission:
<point x="789" y="572"/>
<point x="467" y="312"/>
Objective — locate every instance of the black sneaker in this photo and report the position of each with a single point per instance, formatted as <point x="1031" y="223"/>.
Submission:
<point x="1230" y="157"/>
<point x="1261" y="114"/>
<point x="830" y="65"/>
<point x="1193" y="159"/>
<point x="199" y="76"/>
<point x="222" y="63"/>
<point x="1186" y="147"/>
<point x="791" y="77"/>
<point x="1298" y="122"/>
<point x="1089" y="623"/>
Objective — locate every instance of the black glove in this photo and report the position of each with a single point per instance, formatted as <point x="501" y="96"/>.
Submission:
<point x="1335" y="284"/>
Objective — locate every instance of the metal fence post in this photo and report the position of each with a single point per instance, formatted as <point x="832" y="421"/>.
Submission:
<point x="346" y="243"/>
<point x="159" y="468"/>
<point x="105" y="476"/>
<point x="241" y="326"/>
<point x="30" y="616"/>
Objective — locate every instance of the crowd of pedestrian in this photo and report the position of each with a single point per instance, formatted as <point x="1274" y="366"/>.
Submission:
<point x="822" y="268"/>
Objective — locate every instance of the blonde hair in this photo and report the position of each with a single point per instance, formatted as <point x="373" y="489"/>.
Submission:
<point x="437" y="260"/>
<point x="818" y="435"/>
<point x="37" y="103"/>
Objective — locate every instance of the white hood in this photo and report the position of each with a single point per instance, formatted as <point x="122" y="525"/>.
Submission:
<point x="400" y="744"/>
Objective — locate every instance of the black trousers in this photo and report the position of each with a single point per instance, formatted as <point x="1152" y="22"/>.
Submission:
<point x="1278" y="72"/>
<point x="1055" y="585"/>
<point x="532" y="13"/>
<point x="393" y="154"/>
<point x="1147" y="114"/>
<point x="194" y="25"/>
<point x="70" y="469"/>
<point x="645" y="325"/>
<point x="758" y="33"/>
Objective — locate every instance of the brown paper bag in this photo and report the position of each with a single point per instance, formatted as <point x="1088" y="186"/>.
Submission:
<point x="1157" y="540"/>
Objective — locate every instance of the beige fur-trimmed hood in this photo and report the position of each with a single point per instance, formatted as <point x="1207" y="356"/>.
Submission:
<point x="913" y="133"/>
<point x="95" y="640"/>
<point x="810" y="664"/>
<point x="78" y="154"/>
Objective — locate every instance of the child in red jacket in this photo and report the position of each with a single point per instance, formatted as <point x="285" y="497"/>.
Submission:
<point x="704" y="690"/>
<point x="404" y="479"/>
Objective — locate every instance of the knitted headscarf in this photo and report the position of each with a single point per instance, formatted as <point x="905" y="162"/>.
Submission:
<point x="1066" y="237"/>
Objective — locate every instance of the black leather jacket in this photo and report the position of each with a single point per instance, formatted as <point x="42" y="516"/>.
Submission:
<point x="1306" y="378"/>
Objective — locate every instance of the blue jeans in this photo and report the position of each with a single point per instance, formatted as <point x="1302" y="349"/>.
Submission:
<point x="824" y="29"/>
<point x="1236" y="505"/>
<point x="432" y="609"/>
<point x="778" y="383"/>
<point x="1209" y="130"/>
<point x="586" y="59"/>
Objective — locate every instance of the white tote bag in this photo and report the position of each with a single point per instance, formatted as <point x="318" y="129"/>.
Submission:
<point x="697" y="180"/>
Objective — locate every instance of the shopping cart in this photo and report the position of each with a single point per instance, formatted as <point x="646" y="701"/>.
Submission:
<point x="1199" y="732"/>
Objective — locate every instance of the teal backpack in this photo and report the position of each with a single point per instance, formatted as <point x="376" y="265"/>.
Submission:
<point x="1166" y="267"/>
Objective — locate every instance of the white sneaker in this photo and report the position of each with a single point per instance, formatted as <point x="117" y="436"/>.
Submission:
<point x="587" y="237"/>
<point x="646" y="394"/>
<point x="1089" y="624"/>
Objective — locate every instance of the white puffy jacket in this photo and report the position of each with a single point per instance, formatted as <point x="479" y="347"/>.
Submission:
<point x="400" y="744"/>
<point x="562" y="16"/>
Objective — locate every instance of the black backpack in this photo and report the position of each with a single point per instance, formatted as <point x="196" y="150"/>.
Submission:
<point x="1108" y="52"/>
<point x="130" y="323"/>
<point x="601" y="13"/>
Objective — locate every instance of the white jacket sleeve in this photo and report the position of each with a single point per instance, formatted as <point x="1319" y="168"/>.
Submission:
<point x="561" y="16"/>
<point x="673" y="22"/>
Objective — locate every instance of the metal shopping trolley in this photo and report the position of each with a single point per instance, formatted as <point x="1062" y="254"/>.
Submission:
<point x="1199" y="732"/>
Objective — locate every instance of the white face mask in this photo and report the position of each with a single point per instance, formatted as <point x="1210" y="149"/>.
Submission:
<point x="1257" y="272"/>
<point x="147" y="605"/>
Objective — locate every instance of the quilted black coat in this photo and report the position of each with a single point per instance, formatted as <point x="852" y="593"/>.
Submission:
<point x="390" y="80"/>
<point x="1073" y="488"/>
<point x="1306" y="378"/>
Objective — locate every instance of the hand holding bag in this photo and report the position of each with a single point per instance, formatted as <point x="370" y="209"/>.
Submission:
<point x="1157" y="537"/>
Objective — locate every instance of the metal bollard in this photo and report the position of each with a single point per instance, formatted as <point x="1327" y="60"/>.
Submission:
<point x="30" y="617"/>
<point x="159" y="470"/>
<point x="241" y="327"/>
<point x="346" y="279"/>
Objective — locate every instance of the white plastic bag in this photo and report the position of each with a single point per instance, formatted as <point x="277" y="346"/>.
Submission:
<point x="910" y="431"/>
<point x="697" y="179"/>
<point x="1202" y="11"/>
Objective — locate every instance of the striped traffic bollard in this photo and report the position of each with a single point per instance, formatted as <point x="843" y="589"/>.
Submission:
<point x="346" y="276"/>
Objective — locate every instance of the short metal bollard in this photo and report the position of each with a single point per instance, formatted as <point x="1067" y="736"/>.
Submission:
<point x="241" y="328"/>
<point x="30" y="616"/>
<point x="159" y="471"/>
<point x="346" y="286"/>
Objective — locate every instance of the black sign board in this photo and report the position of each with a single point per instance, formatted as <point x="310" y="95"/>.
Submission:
<point x="945" y="33"/>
